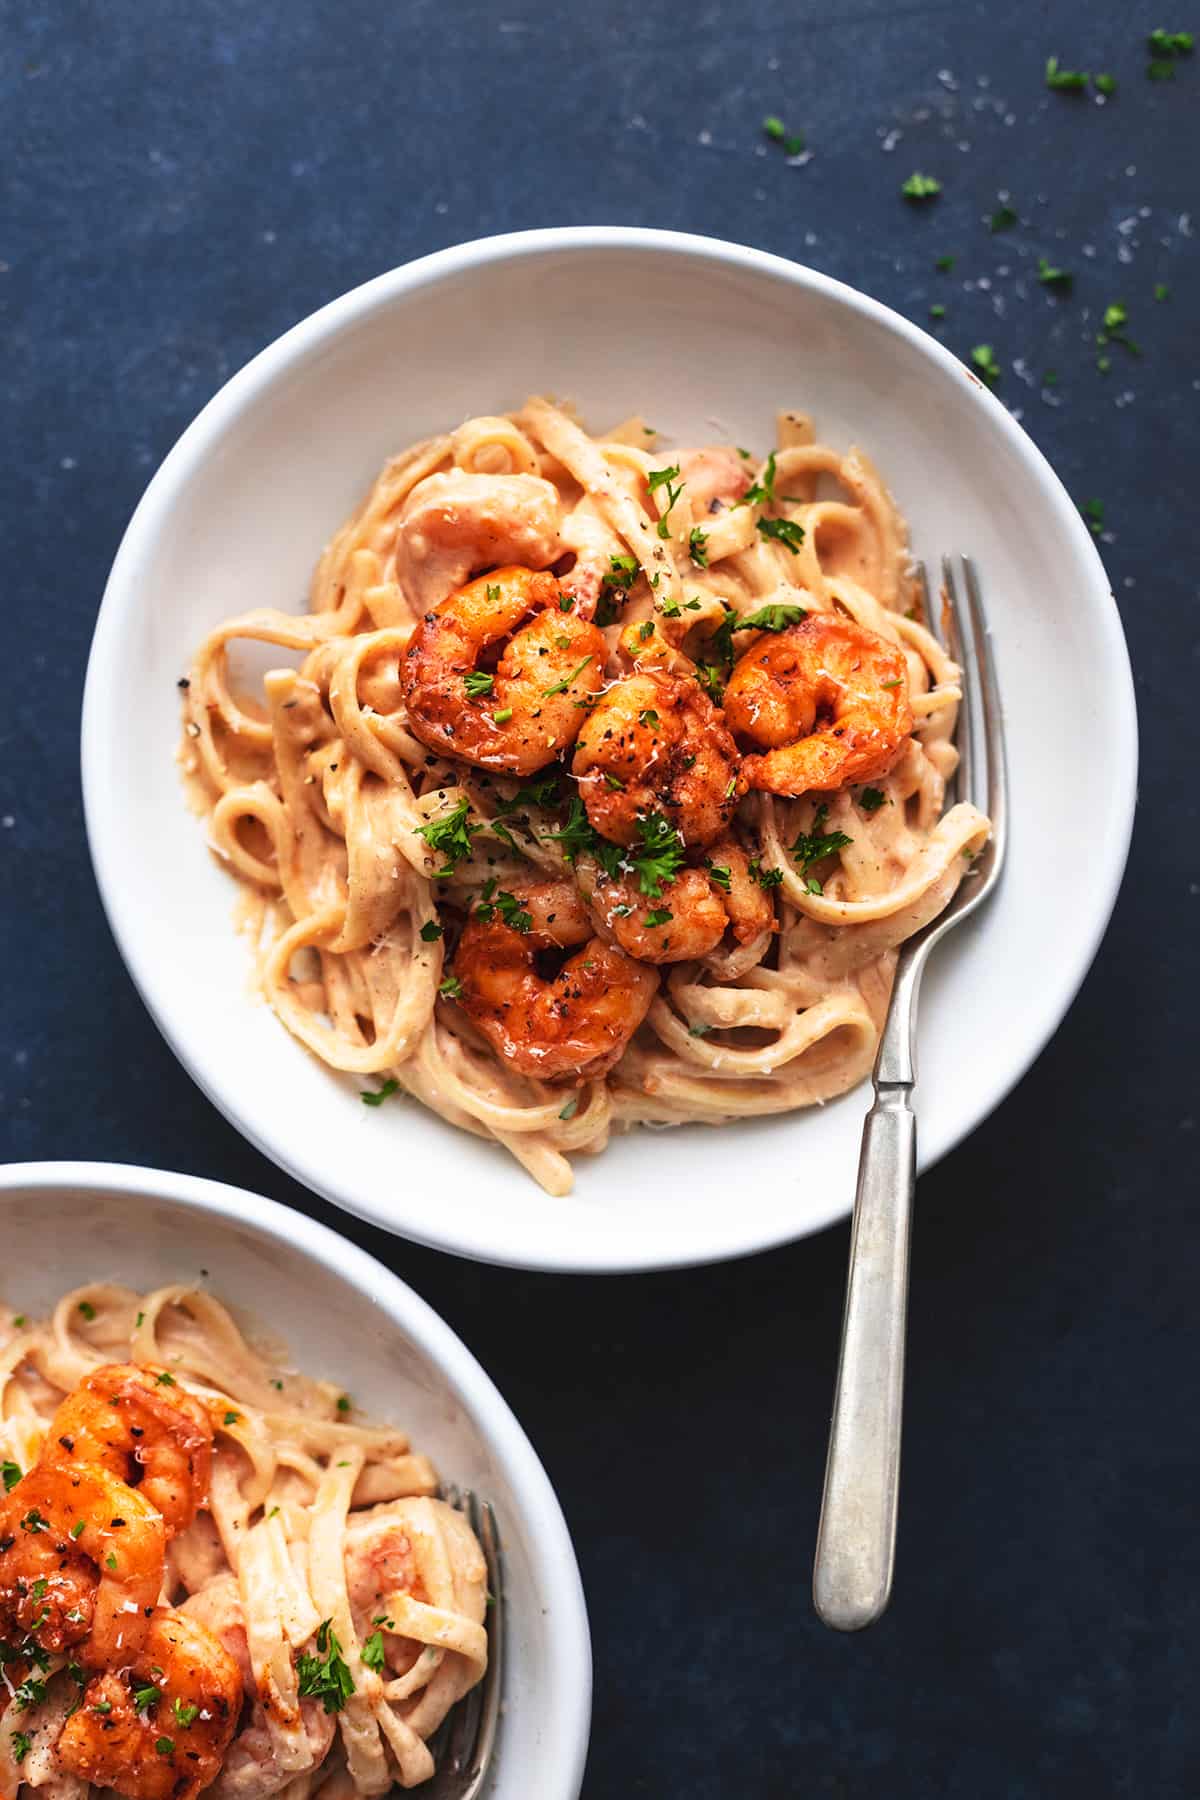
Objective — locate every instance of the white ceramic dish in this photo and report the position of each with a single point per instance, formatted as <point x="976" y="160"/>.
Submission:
<point x="705" y="339"/>
<point x="344" y="1316"/>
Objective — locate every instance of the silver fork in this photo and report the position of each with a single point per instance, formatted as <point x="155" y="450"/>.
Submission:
<point x="463" y="1747"/>
<point x="856" y="1538"/>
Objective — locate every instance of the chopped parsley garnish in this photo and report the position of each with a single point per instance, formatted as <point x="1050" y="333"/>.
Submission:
<point x="871" y="799"/>
<point x="1093" y="512"/>
<point x="78" y="1529"/>
<point x="983" y="360"/>
<point x="232" y="1418"/>
<point x="937" y="312"/>
<point x="87" y="1309"/>
<point x="698" y="547"/>
<point x="560" y="687"/>
<point x="815" y="845"/>
<point x="503" y="716"/>
<point x="20" y="1744"/>
<point x="138" y="1321"/>
<point x="39" y="1587"/>
<point x="565" y="602"/>
<point x="722" y="875"/>
<point x="103" y="1707"/>
<point x="646" y="631"/>
<point x="377" y="1096"/>
<point x="622" y="572"/>
<point x="511" y="911"/>
<point x="921" y="187"/>
<point x="31" y="1692"/>
<point x="450" y="836"/>
<point x="709" y="677"/>
<point x="700" y="1030"/>
<point x="147" y="1696"/>
<point x="649" y="718"/>
<point x="777" y="131"/>
<point x="431" y="931"/>
<point x="762" y="493"/>
<point x="166" y="1746"/>
<point x="326" y="1676"/>
<point x="766" y="878"/>
<point x="33" y="1521"/>
<point x="576" y="835"/>
<point x="614" y="781"/>
<point x="372" y="1652"/>
<point x="1070" y="81"/>
<point x="1106" y="85"/>
<point x="661" y="915"/>
<point x="344" y="1403"/>
<point x="1002" y="219"/>
<point x="1161" y="292"/>
<point x="165" y="1380"/>
<point x="186" y="1712"/>
<point x="1049" y="276"/>
<point x="944" y="264"/>
<point x="784" y="531"/>
<point x="477" y="683"/>
<point x="110" y="1561"/>
<point x="10" y="1472"/>
<point x="660" y="856"/>
<point x="571" y="1108"/>
<point x="667" y="478"/>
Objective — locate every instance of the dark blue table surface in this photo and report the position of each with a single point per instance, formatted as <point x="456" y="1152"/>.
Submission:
<point x="183" y="181"/>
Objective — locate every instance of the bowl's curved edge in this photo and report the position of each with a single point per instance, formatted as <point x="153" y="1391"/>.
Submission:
<point x="379" y="291"/>
<point x="445" y="1349"/>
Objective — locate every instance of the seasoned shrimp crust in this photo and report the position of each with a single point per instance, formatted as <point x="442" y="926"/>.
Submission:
<point x="826" y="701"/>
<point x="570" y="1026"/>
<point x="520" y="714"/>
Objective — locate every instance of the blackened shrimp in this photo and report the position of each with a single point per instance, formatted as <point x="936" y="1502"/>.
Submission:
<point x="159" y="1728"/>
<point x="141" y="1426"/>
<point x="525" y="710"/>
<point x="566" y="1026"/>
<point x="81" y="1563"/>
<point x="691" y="914"/>
<point x="655" y="743"/>
<point x="826" y="702"/>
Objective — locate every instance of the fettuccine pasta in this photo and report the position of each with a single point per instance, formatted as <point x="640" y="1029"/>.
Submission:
<point x="547" y="702"/>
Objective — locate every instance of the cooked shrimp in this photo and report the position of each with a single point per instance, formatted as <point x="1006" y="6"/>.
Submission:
<point x="455" y="524"/>
<point x="528" y="710"/>
<point x="656" y="743"/>
<point x="81" y="1562"/>
<point x="826" y="700"/>
<point x="159" y="1728"/>
<point x="253" y="1768"/>
<point x="141" y="1426"/>
<point x="571" y="1026"/>
<point x="713" y="477"/>
<point x="692" y="913"/>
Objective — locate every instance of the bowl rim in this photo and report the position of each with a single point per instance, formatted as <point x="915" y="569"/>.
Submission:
<point x="1098" y="897"/>
<point x="567" y="1621"/>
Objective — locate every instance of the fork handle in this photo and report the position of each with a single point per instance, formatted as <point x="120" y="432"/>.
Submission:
<point x="856" y="1539"/>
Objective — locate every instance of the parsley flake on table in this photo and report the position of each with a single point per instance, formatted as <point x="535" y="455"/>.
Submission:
<point x="937" y="312"/>
<point x="777" y="131"/>
<point x="450" y="836"/>
<point x="1162" y="291"/>
<point x="920" y="187"/>
<point x="944" y="264"/>
<point x="377" y="1096"/>
<point x="1093" y="512"/>
<point x="983" y="361"/>
<point x="326" y="1676"/>
<point x="1049" y="276"/>
<point x="1106" y="85"/>
<point x="1003" y="218"/>
<point x="1065" y="81"/>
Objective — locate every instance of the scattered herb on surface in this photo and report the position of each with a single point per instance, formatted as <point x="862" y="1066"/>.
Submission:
<point x="377" y="1096"/>
<point x="920" y="187"/>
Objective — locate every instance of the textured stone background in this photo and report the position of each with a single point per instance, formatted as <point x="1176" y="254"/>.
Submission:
<point x="183" y="181"/>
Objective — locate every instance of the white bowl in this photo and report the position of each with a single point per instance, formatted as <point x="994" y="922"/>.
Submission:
<point x="705" y="339"/>
<point x="344" y="1317"/>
